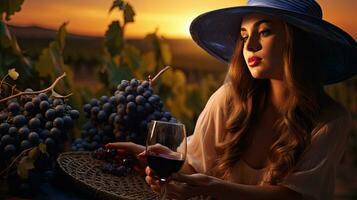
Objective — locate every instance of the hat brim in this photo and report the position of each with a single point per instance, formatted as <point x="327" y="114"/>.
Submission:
<point x="217" y="32"/>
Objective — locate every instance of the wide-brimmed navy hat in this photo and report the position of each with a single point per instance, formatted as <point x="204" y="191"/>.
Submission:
<point x="217" y="32"/>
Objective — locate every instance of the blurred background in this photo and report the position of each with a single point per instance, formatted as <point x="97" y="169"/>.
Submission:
<point x="99" y="43"/>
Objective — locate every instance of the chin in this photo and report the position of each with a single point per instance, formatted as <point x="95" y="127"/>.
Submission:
<point x="258" y="75"/>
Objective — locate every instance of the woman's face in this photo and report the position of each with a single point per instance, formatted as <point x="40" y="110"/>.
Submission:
<point x="264" y="40"/>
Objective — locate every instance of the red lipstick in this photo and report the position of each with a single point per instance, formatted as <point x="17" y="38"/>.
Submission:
<point x="254" y="61"/>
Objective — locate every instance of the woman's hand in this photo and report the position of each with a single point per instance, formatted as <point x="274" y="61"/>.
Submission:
<point x="133" y="149"/>
<point x="182" y="186"/>
<point x="129" y="147"/>
<point x="186" y="186"/>
<point x="152" y="181"/>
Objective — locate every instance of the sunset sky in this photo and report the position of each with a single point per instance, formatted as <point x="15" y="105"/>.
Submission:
<point x="90" y="17"/>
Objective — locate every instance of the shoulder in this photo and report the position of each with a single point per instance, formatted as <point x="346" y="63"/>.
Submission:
<point x="222" y="92"/>
<point x="220" y="97"/>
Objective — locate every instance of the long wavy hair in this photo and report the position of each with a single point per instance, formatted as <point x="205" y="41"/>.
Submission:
<point x="299" y="116"/>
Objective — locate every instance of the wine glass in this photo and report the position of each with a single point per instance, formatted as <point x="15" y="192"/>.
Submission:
<point x="166" y="148"/>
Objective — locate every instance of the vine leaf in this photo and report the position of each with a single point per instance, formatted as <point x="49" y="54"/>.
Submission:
<point x="131" y="56"/>
<point x="165" y="52"/>
<point x="51" y="62"/>
<point x="114" y="38"/>
<point x="161" y="48"/>
<point x="5" y="36"/>
<point x="129" y="13"/>
<point x="10" y="7"/>
<point x="128" y="10"/>
<point x="11" y="54"/>
<point x="116" y="4"/>
<point x="117" y="73"/>
<point x="26" y="163"/>
<point x="42" y="148"/>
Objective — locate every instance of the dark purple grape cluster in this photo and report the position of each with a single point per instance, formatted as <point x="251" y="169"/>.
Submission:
<point x="27" y="122"/>
<point x="117" y="163"/>
<point x="116" y="169"/>
<point x="121" y="117"/>
<point x="30" y="120"/>
<point x="104" y="154"/>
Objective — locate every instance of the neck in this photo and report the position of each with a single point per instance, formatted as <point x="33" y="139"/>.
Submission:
<point x="278" y="93"/>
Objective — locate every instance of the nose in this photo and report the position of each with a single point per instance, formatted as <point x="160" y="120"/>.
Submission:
<point x="253" y="44"/>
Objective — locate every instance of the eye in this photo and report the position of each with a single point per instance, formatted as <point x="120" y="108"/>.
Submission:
<point x="265" y="32"/>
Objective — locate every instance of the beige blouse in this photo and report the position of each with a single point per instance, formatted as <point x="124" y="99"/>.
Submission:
<point x="314" y="174"/>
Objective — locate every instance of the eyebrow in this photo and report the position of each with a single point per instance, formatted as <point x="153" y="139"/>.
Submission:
<point x="257" y="24"/>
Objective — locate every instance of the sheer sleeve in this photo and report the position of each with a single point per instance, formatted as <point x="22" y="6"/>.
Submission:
<point x="209" y="131"/>
<point x="314" y="174"/>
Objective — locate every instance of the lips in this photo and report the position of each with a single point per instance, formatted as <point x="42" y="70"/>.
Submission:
<point x="254" y="61"/>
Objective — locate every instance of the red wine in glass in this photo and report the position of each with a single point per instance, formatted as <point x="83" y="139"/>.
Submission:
<point x="164" y="165"/>
<point x="166" y="148"/>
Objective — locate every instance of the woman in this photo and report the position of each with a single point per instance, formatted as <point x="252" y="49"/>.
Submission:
<point x="270" y="132"/>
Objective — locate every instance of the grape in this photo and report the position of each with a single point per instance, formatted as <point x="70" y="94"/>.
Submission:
<point x="24" y="132"/>
<point x="44" y="105"/>
<point x="59" y="110"/>
<point x="104" y="99"/>
<point x="74" y="114"/>
<point x="25" y="144"/>
<point x="9" y="150"/>
<point x="43" y="96"/>
<point x="7" y="139"/>
<point x="94" y="102"/>
<point x="4" y="127"/>
<point x="67" y="121"/>
<point x="118" y="164"/>
<point x="147" y="94"/>
<point x="12" y="131"/>
<point x="48" y="125"/>
<point x="55" y="133"/>
<point x="34" y="123"/>
<point x="95" y="110"/>
<point x="44" y="134"/>
<point x="129" y="89"/>
<point x="29" y="106"/>
<point x="34" y="138"/>
<point x="50" y="114"/>
<point x="101" y="116"/>
<point x="36" y="101"/>
<point x="140" y="89"/>
<point x="140" y="100"/>
<point x="19" y="120"/>
<point x="14" y="107"/>
<point x="121" y="98"/>
<point x="58" y="123"/>
<point x="87" y="108"/>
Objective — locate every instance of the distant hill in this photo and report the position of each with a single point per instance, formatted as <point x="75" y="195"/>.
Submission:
<point x="36" y="32"/>
<point x="186" y="54"/>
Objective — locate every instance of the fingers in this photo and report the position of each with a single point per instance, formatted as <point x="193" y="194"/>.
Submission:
<point x="127" y="146"/>
<point x="149" y="171"/>
<point x="159" y="149"/>
<point x="151" y="181"/>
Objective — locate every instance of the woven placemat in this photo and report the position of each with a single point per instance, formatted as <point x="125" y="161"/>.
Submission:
<point x="86" y="172"/>
<point x="87" y="175"/>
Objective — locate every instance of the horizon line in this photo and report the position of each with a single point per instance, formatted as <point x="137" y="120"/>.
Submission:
<point x="81" y="34"/>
